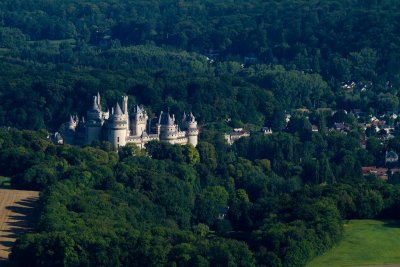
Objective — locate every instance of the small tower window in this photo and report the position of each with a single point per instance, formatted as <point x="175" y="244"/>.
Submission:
<point x="118" y="139"/>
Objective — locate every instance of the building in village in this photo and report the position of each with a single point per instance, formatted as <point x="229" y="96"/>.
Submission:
<point x="391" y="157"/>
<point x="121" y="128"/>
<point x="236" y="135"/>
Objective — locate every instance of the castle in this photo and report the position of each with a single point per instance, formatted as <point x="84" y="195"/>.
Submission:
<point x="121" y="128"/>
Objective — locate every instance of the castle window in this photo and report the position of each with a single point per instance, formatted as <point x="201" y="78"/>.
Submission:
<point x="118" y="139"/>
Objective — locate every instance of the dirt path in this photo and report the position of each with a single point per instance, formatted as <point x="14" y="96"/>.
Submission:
<point x="16" y="208"/>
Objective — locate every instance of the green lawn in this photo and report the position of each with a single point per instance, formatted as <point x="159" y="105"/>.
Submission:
<point x="365" y="242"/>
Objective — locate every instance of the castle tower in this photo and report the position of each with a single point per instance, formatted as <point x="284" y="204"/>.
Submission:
<point x="98" y="100"/>
<point x="139" y="121"/>
<point x="94" y="121"/>
<point x="117" y="128"/>
<point x="168" y="129"/>
<point x="69" y="130"/>
<point x="125" y="105"/>
<point x="192" y="130"/>
<point x="71" y="124"/>
<point x="126" y="114"/>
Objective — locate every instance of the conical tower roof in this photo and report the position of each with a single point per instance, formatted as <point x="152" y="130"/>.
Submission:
<point x="118" y="110"/>
<point x="95" y="106"/>
<point x="166" y="119"/>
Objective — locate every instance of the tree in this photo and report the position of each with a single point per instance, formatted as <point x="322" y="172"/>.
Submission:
<point x="209" y="204"/>
<point x="208" y="156"/>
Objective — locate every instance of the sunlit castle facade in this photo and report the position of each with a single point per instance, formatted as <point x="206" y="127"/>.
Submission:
<point x="120" y="128"/>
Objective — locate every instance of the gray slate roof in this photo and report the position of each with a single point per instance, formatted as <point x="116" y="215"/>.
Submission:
<point x="166" y="119"/>
<point x="118" y="110"/>
<point x="95" y="106"/>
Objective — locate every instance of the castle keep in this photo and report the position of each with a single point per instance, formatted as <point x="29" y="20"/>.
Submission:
<point x="120" y="128"/>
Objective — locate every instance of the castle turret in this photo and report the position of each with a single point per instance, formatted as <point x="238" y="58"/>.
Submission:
<point x="184" y="117"/>
<point x="69" y="130"/>
<point x="80" y="132"/>
<point x="125" y="106"/>
<point x="138" y="121"/>
<point x="117" y="128"/>
<point x="126" y="114"/>
<point x="167" y="128"/>
<point x="94" y="121"/>
<point x="98" y="100"/>
<point x="71" y="124"/>
<point x="193" y="130"/>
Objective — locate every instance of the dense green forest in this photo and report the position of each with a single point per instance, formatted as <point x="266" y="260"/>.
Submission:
<point x="176" y="205"/>
<point x="267" y="200"/>
<point x="261" y="53"/>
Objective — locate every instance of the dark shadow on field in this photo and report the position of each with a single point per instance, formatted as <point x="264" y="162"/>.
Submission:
<point x="20" y="222"/>
<point x="6" y="263"/>
<point x="392" y="223"/>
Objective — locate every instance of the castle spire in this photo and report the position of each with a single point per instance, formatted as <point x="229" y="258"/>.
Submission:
<point x="95" y="106"/>
<point x="118" y="110"/>
<point x="125" y="105"/>
<point x="98" y="99"/>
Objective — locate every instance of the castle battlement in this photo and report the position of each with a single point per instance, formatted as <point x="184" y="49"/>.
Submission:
<point x="121" y="128"/>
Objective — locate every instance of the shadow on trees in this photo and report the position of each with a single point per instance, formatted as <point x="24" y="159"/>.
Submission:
<point x="392" y="223"/>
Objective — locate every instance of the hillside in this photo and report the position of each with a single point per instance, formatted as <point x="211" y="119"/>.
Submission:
<point x="312" y="88"/>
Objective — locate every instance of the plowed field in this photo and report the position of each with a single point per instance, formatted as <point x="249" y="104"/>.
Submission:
<point x="16" y="210"/>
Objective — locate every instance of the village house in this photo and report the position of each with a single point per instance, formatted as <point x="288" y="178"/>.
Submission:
<point x="381" y="173"/>
<point x="391" y="157"/>
<point x="266" y="130"/>
<point x="235" y="135"/>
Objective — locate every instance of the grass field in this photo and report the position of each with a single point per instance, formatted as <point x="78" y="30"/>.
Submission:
<point x="16" y="210"/>
<point x="365" y="243"/>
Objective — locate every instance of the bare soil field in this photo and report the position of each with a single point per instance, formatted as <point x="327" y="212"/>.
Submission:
<point x="16" y="210"/>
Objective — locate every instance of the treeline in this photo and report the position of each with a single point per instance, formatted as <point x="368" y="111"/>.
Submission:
<point x="37" y="95"/>
<point x="347" y="40"/>
<point x="265" y="58"/>
<point x="176" y="205"/>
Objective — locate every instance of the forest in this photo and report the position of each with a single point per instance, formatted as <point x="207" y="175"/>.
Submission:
<point x="172" y="205"/>
<point x="267" y="200"/>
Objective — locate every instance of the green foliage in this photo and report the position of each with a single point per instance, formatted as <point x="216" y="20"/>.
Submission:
<point x="185" y="206"/>
<point x="209" y="204"/>
<point x="275" y="200"/>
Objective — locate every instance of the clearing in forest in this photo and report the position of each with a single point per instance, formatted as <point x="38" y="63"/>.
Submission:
<point x="16" y="210"/>
<point x="364" y="243"/>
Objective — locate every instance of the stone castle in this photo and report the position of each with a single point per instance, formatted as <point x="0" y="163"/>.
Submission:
<point x="121" y="128"/>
